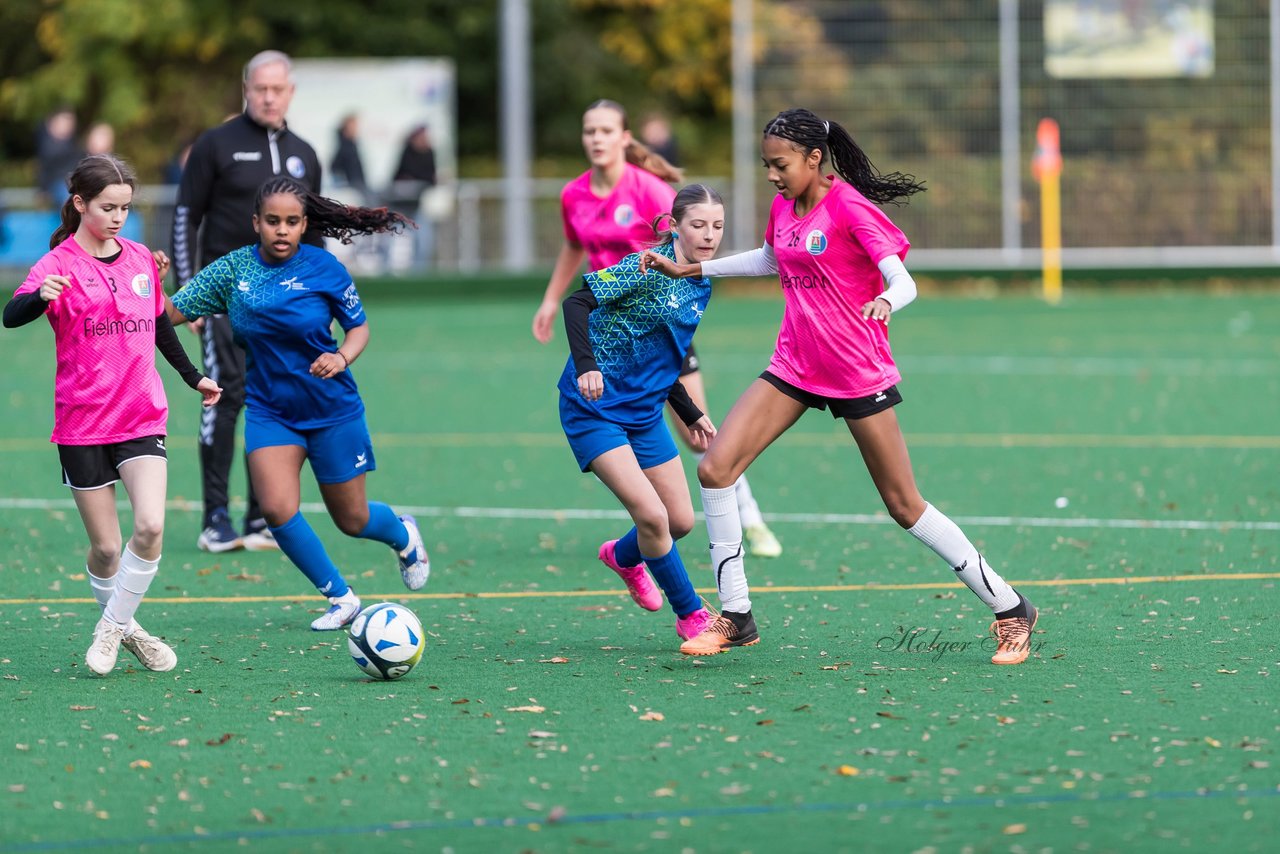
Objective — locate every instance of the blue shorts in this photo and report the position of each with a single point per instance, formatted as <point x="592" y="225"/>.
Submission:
<point x="337" y="453"/>
<point x="590" y="436"/>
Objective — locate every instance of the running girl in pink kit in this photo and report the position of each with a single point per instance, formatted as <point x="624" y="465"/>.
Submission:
<point x="608" y="213"/>
<point x="102" y="296"/>
<point x="839" y="260"/>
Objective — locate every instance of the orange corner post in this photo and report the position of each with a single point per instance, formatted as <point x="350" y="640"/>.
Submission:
<point x="1046" y="167"/>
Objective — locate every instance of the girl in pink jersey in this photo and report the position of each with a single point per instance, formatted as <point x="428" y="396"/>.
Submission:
<point x="102" y="296"/>
<point x="607" y="212"/>
<point x="839" y="260"/>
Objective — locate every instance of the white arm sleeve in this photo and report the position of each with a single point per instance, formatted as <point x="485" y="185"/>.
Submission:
<point x="757" y="262"/>
<point x="900" y="288"/>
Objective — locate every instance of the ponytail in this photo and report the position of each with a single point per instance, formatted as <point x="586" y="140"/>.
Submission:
<point x="639" y="154"/>
<point x="70" y="222"/>
<point x="807" y="132"/>
<point x="330" y="218"/>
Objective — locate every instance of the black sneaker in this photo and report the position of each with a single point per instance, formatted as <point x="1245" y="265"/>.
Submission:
<point x="219" y="536"/>
<point x="726" y="631"/>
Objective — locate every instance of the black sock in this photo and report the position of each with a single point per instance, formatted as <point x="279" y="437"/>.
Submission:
<point x="739" y="620"/>
<point x="1022" y="609"/>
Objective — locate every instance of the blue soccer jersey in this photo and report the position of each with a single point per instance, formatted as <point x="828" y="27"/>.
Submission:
<point x="639" y="335"/>
<point x="281" y="315"/>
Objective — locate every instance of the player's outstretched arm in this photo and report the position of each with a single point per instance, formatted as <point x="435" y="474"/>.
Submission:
<point x="570" y="259"/>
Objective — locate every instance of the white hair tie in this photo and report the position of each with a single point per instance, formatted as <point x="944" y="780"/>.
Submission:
<point x="826" y="128"/>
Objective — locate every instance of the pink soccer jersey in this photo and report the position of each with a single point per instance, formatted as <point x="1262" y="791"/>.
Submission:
<point x="106" y="388"/>
<point x="612" y="228"/>
<point x="827" y="266"/>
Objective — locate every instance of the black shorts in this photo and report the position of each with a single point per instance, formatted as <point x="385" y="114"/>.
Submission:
<point x="690" y="364"/>
<point x="841" y="407"/>
<point x="94" y="466"/>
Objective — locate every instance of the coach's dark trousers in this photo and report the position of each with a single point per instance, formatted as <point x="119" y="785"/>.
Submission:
<point x="224" y="364"/>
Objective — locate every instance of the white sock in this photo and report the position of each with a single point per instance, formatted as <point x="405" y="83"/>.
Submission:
<point x="942" y="535"/>
<point x="724" y="529"/>
<point x="132" y="581"/>
<point x="102" y="587"/>
<point x="748" y="509"/>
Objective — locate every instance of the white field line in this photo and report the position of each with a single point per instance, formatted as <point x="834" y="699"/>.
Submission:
<point x="556" y="515"/>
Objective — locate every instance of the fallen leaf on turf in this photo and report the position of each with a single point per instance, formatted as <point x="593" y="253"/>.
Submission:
<point x="888" y="715"/>
<point x="1005" y="719"/>
<point x="223" y="739"/>
<point x="653" y="716"/>
<point x="1014" y="829"/>
<point x="541" y="733"/>
<point x="765" y="722"/>
<point x="848" y="771"/>
<point x="559" y="659"/>
<point x="1212" y="742"/>
<point x="17" y="788"/>
<point x="533" y="709"/>
<point x="259" y="816"/>
<point x="664" y="793"/>
<point x="139" y="763"/>
<point x="82" y="708"/>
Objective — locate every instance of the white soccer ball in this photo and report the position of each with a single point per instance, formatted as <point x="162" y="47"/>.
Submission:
<point x="385" y="640"/>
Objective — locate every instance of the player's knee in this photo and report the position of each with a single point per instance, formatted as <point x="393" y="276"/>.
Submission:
<point x="148" y="531"/>
<point x="713" y="474"/>
<point x="680" y="523"/>
<point x="352" y="524"/>
<point x="652" y="522"/>
<point x="277" y="515"/>
<point x="102" y="552"/>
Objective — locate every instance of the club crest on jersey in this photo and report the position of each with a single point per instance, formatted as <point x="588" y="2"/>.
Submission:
<point x="141" y="285"/>
<point x="816" y="242"/>
<point x="624" y="215"/>
<point x="295" y="166"/>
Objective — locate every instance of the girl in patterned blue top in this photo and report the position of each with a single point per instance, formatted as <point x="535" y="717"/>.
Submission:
<point x="302" y="403"/>
<point x="628" y="334"/>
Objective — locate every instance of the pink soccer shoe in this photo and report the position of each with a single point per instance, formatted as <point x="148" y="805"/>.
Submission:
<point x="641" y="587"/>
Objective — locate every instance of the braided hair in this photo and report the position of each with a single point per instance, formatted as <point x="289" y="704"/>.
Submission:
<point x="806" y="131"/>
<point x="637" y="153"/>
<point x="92" y="175"/>
<point x="330" y="218"/>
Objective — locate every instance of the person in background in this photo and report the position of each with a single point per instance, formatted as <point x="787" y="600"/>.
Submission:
<point x="657" y="135"/>
<point x="57" y="153"/>
<point x="346" y="167"/>
<point x="215" y="202"/>
<point x="101" y="139"/>
<point x="415" y="174"/>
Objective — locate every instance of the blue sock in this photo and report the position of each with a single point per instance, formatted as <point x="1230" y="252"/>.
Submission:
<point x="385" y="527"/>
<point x="670" y="574"/>
<point x="627" y="550"/>
<point x="300" y="543"/>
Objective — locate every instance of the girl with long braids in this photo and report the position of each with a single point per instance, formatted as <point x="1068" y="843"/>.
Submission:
<point x="302" y="403"/>
<point x="606" y="213"/>
<point x="101" y="294"/>
<point x="839" y="259"/>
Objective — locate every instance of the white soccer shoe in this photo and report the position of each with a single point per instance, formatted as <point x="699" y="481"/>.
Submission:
<point x="153" y="653"/>
<point x="415" y="565"/>
<point x="105" y="649"/>
<point x="342" y="610"/>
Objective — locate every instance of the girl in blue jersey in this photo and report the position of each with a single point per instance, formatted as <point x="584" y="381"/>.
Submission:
<point x="302" y="403"/>
<point x="628" y="334"/>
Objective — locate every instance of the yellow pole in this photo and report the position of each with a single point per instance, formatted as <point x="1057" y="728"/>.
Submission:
<point x="1046" y="165"/>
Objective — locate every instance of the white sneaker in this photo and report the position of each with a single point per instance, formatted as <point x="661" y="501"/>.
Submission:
<point x="154" y="653"/>
<point x="342" y="610"/>
<point x="105" y="648"/>
<point x="415" y="565"/>
<point x="260" y="540"/>
<point x="761" y="541"/>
